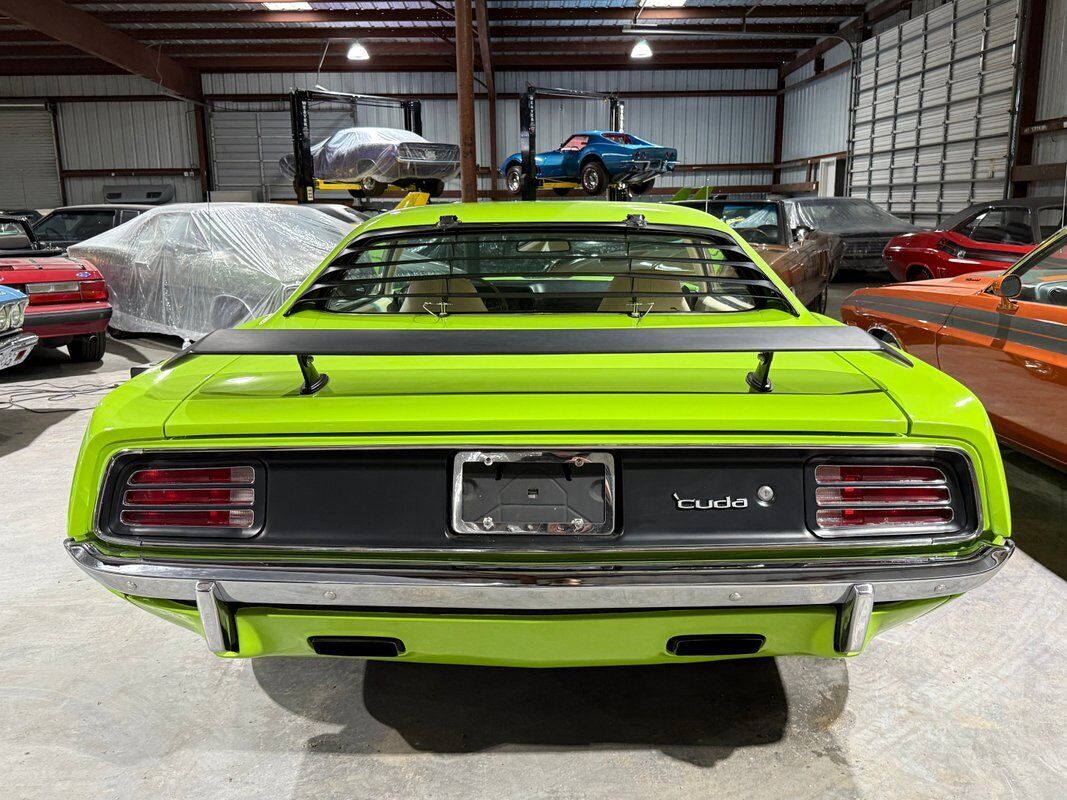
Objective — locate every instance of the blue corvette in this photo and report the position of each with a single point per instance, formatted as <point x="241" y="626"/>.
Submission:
<point x="595" y="160"/>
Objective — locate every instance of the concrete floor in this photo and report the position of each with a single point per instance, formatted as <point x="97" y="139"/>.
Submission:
<point x="100" y="700"/>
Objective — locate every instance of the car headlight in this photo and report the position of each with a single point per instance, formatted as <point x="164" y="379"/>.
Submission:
<point x="17" y="315"/>
<point x="5" y="316"/>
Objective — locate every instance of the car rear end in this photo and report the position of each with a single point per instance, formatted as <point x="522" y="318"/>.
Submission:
<point x="550" y="492"/>
<point x="427" y="160"/>
<point x="641" y="162"/>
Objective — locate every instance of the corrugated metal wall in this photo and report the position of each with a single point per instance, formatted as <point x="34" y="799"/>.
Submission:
<point x="933" y="116"/>
<point x="705" y="130"/>
<point x="1051" y="148"/>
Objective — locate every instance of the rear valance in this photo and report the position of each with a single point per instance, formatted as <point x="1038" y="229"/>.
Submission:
<point x="305" y="344"/>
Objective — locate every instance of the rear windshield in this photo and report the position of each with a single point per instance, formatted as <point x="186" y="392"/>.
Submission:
<point x="757" y="222"/>
<point x="542" y="272"/>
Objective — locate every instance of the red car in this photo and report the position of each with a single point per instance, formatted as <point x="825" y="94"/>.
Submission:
<point x="68" y="299"/>
<point x="986" y="236"/>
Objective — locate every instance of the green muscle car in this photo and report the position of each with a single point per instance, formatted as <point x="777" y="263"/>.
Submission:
<point x="540" y="434"/>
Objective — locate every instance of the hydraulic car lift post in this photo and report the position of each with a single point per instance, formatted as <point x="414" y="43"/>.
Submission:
<point x="528" y="132"/>
<point x="300" y="119"/>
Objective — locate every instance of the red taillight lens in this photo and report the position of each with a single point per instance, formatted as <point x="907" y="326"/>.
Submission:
<point x="862" y="473"/>
<point x="884" y="517"/>
<point x="189" y="497"/>
<point x="244" y="475"/>
<point x="868" y="498"/>
<point x="208" y="518"/>
<point x="94" y="290"/>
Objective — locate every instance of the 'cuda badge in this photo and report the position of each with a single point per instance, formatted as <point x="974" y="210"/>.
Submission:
<point x="710" y="504"/>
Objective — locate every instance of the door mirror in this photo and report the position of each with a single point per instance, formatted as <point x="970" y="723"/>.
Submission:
<point x="1008" y="287"/>
<point x="801" y="234"/>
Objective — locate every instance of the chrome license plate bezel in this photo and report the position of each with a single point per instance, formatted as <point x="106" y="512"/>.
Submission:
<point x="462" y="527"/>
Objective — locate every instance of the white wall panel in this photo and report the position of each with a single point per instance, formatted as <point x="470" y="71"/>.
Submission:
<point x="1051" y="92"/>
<point x="815" y="121"/>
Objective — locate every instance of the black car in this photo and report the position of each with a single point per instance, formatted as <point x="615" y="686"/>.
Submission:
<point x="863" y="228"/>
<point x="72" y="224"/>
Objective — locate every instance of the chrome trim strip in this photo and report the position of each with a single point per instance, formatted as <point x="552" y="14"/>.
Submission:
<point x="899" y="541"/>
<point x="212" y="613"/>
<point x="713" y="585"/>
<point x="855" y="619"/>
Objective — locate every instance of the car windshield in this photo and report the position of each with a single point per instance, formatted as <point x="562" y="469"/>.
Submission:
<point x="843" y="214"/>
<point x="757" y="222"/>
<point x="543" y="271"/>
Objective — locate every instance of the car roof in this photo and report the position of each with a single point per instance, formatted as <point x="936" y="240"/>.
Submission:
<point x="101" y="206"/>
<point x="560" y="212"/>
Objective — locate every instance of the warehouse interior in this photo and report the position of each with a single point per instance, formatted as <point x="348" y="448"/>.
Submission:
<point x="929" y="110"/>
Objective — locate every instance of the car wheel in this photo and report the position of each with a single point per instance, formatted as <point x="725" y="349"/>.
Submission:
<point x="919" y="274"/>
<point x="372" y="187"/>
<point x="228" y="312"/>
<point x="88" y="348"/>
<point x="641" y="187"/>
<point x="818" y="305"/>
<point x="432" y="186"/>
<point x="561" y="191"/>
<point x="513" y="179"/>
<point x="594" y="177"/>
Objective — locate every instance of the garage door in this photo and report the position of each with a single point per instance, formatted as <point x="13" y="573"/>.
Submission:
<point x="31" y="171"/>
<point x="247" y="145"/>
<point x="933" y="123"/>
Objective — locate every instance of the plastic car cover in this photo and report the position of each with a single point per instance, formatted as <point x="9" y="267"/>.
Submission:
<point x="189" y="268"/>
<point x="844" y="216"/>
<point x="385" y="154"/>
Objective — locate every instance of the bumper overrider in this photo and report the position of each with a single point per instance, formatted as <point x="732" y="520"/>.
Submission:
<point x="278" y="608"/>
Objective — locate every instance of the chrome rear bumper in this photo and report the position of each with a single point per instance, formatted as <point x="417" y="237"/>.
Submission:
<point x="853" y="585"/>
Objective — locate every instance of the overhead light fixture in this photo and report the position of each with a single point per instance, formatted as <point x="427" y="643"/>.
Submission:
<point x="641" y="49"/>
<point x="357" y="52"/>
<point x="663" y="3"/>
<point x="301" y="6"/>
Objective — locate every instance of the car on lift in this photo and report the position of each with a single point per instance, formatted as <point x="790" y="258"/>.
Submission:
<point x="982" y="237"/>
<point x="186" y="269"/>
<point x="68" y="299"/>
<point x="15" y="343"/>
<point x="595" y="160"/>
<point x="540" y="435"/>
<point x="69" y="225"/>
<point x="376" y="158"/>
<point x="1004" y="334"/>
<point x="806" y="261"/>
<point x="863" y="227"/>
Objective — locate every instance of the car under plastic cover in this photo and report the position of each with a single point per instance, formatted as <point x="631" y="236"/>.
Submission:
<point x="190" y="268"/>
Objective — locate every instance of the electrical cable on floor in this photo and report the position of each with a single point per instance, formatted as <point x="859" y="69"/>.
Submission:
<point x="52" y="393"/>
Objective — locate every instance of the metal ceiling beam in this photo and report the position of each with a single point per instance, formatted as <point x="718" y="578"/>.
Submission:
<point x="496" y="32"/>
<point x="90" y="35"/>
<point x="386" y="15"/>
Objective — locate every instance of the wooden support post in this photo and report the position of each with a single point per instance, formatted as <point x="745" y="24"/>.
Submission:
<point x="468" y="154"/>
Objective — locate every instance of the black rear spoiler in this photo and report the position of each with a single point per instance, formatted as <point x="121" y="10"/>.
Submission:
<point x="306" y="344"/>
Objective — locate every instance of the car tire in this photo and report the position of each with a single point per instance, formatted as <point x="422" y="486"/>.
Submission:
<point x="561" y="191"/>
<point x="513" y="179"/>
<point x="434" y="187"/>
<point x="818" y="305"/>
<point x="594" y="178"/>
<point x="85" y="349"/>
<point x="372" y="187"/>
<point x="641" y="187"/>
<point x="916" y="273"/>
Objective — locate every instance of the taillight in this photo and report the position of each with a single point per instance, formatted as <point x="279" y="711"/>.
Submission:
<point x="953" y="249"/>
<point x="176" y="499"/>
<point x="94" y="290"/>
<point x="858" y="499"/>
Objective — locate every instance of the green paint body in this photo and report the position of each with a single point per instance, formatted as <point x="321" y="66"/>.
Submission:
<point x="573" y="401"/>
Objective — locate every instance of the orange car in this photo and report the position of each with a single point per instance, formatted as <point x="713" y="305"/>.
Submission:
<point x="1002" y="335"/>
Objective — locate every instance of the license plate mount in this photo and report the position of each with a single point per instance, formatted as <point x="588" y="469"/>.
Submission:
<point x="533" y="493"/>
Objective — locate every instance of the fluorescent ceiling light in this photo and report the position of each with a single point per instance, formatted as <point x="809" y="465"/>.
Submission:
<point x="641" y="50"/>
<point x="662" y="3"/>
<point x="357" y="52"/>
<point x="301" y="6"/>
